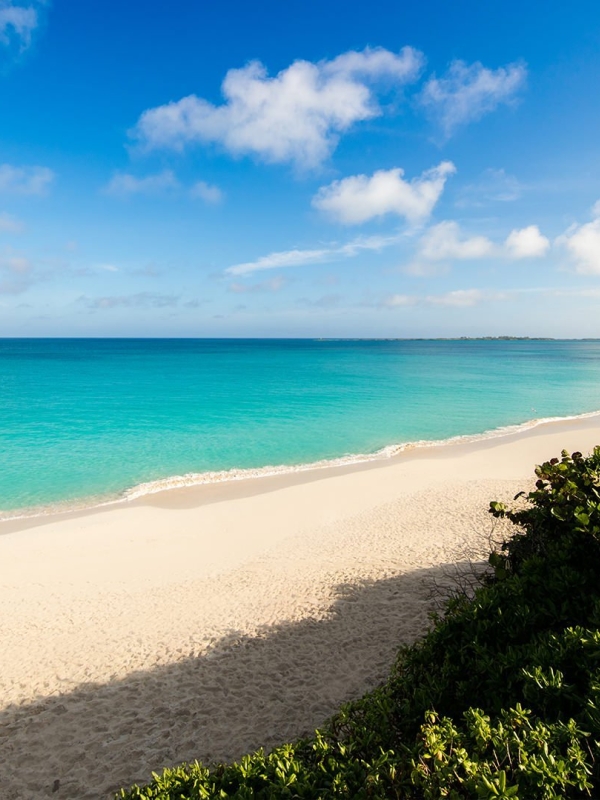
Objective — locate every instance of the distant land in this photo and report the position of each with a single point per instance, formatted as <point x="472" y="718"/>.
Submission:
<point x="457" y="339"/>
<point x="504" y="339"/>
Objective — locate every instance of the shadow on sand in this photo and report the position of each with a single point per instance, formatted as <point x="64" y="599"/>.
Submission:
<point x="244" y="694"/>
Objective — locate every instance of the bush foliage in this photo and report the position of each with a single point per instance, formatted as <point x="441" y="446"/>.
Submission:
<point x="500" y="700"/>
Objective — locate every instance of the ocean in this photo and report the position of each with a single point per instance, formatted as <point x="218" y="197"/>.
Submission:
<point x="86" y="421"/>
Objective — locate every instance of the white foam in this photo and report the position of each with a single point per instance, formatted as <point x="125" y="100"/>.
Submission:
<point x="223" y="476"/>
<point x="389" y="451"/>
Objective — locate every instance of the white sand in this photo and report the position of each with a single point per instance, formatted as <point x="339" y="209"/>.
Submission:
<point x="205" y="622"/>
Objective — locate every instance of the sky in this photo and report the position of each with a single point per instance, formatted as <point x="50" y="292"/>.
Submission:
<point x="299" y="169"/>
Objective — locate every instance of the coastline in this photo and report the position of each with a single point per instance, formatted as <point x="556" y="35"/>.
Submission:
<point x="63" y="509"/>
<point x="210" y="620"/>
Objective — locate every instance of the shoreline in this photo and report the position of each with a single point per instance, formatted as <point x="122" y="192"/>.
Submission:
<point x="208" y="621"/>
<point x="175" y="483"/>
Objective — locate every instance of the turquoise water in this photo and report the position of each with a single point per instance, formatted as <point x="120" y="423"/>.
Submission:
<point x="82" y="420"/>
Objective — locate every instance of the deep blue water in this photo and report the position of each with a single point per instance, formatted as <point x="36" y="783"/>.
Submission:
<point x="83" y="419"/>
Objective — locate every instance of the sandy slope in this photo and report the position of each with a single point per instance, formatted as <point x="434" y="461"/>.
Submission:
<point x="204" y="622"/>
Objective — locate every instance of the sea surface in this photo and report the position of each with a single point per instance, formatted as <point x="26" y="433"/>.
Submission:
<point x="84" y="421"/>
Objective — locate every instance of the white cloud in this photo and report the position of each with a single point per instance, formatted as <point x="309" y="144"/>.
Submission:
<point x="124" y="184"/>
<point x="359" y="198"/>
<point x="444" y="241"/>
<point x="17" y="23"/>
<point x="582" y="242"/>
<point x="441" y="242"/>
<point x="10" y="224"/>
<point x="468" y="92"/>
<point x="286" y="258"/>
<point x="460" y="298"/>
<point x="361" y="243"/>
<point x="399" y="300"/>
<point x="297" y="258"/>
<point x="296" y="116"/>
<point x="526" y="243"/>
<point x="376" y="63"/>
<point x="468" y="298"/>
<point x="583" y="245"/>
<point x="207" y="192"/>
<point x="25" y="180"/>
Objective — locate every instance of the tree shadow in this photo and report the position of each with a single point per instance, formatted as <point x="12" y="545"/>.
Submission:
<point x="246" y="693"/>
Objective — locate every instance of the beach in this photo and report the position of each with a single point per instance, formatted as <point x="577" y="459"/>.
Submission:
<point x="206" y="621"/>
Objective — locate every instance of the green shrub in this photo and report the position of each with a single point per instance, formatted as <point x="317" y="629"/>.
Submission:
<point x="511" y="757"/>
<point x="501" y="699"/>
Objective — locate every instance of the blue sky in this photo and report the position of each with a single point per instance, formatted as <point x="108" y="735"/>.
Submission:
<point x="299" y="169"/>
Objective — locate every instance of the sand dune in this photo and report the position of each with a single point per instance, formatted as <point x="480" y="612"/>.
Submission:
<point x="204" y="622"/>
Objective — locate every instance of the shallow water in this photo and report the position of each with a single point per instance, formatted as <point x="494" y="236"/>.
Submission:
<point x="83" y="421"/>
